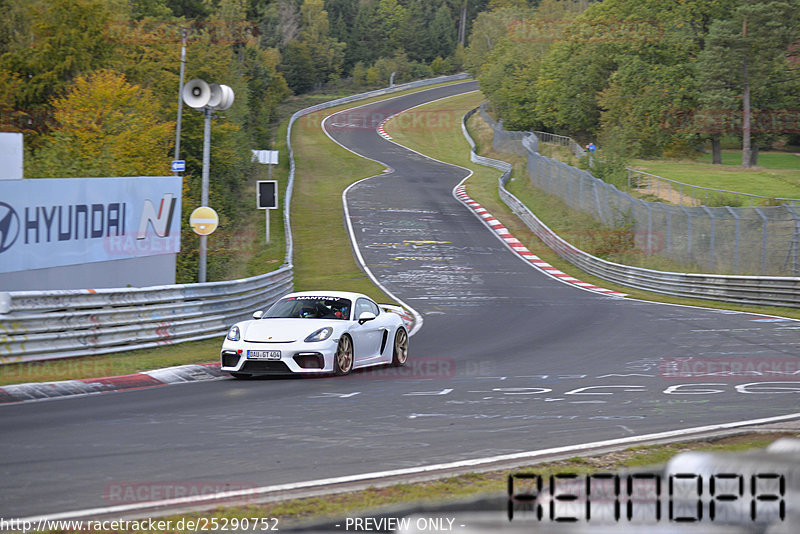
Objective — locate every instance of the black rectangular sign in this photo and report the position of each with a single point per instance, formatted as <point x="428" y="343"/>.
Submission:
<point x="267" y="194"/>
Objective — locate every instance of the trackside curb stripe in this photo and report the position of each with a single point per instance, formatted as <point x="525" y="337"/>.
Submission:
<point x="514" y="244"/>
<point x="41" y="391"/>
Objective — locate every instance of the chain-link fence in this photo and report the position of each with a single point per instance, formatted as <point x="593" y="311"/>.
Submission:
<point x="676" y="192"/>
<point x="758" y="240"/>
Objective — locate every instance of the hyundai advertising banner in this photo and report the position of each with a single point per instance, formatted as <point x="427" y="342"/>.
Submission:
<point x="69" y="221"/>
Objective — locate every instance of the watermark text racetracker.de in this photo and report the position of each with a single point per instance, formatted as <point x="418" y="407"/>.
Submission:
<point x="128" y="492"/>
<point x="401" y="119"/>
<point x="55" y="368"/>
<point x="194" y="524"/>
<point x="704" y="369"/>
<point x="416" y="368"/>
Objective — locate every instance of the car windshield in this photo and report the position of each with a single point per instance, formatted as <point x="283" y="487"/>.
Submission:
<point x="310" y="307"/>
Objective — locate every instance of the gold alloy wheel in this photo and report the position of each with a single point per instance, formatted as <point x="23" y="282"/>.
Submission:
<point x="343" y="361"/>
<point x="400" y="348"/>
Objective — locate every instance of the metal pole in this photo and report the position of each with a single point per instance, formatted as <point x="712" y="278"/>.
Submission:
<point x="269" y="173"/>
<point x="207" y="111"/>
<point x="180" y="99"/>
<point x="267" y="225"/>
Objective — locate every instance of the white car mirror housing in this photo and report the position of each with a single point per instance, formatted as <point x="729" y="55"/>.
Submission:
<point x="258" y="315"/>
<point x="366" y="316"/>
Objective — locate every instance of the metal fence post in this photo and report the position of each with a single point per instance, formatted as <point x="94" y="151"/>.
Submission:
<point x="711" y="244"/>
<point x="795" y="242"/>
<point x="735" y="241"/>
<point x="688" y="232"/>
<point x="763" y="239"/>
<point x="598" y="209"/>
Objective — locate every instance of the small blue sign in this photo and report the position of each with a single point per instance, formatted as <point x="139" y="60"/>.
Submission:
<point x="178" y="165"/>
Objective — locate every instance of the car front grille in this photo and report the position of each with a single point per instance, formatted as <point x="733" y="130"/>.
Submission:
<point x="265" y="367"/>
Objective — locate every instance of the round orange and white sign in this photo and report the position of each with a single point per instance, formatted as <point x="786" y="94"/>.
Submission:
<point x="204" y="220"/>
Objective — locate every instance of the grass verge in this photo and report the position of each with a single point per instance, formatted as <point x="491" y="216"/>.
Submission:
<point x="777" y="174"/>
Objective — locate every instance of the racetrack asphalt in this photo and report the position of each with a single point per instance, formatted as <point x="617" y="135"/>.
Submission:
<point x="507" y="360"/>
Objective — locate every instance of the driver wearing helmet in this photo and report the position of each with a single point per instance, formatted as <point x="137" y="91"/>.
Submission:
<point x="341" y="312"/>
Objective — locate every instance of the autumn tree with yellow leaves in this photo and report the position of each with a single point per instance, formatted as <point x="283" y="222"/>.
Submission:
<point x="106" y="126"/>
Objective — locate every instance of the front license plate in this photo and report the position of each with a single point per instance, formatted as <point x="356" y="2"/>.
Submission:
<point x="264" y="354"/>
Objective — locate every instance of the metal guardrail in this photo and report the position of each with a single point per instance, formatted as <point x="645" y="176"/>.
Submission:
<point x="41" y="325"/>
<point x="754" y="290"/>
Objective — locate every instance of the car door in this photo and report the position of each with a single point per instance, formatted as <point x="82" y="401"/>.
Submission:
<point x="367" y="337"/>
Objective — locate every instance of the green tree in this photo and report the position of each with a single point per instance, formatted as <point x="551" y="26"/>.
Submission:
<point x="266" y="87"/>
<point x="488" y="30"/>
<point x="105" y="126"/>
<point x="392" y="16"/>
<point x="297" y="67"/>
<point x="10" y="119"/>
<point x="64" y="39"/>
<point x="157" y="9"/>
<point x="341" y="14"/>
<point x="232" y="10"/>
<point x="572" y="76"/>
<point x="442" y="33"/>
<point x="325" y="52"/>
<point x="190" y="9"/>
<point x="365" y="44"/>
<point x="746" y="51"/>
<point x="15" y="31"/>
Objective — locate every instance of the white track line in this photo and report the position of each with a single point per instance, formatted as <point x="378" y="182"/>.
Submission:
<point x="406" y="472"/>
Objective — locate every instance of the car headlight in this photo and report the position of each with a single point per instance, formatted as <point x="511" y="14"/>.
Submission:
<point x="234" y="334"/>
<point x="320" y="335"/>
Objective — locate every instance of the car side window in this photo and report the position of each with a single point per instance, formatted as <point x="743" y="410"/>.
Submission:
<point x="374" y="308"/>
<point x="364" y="305"/>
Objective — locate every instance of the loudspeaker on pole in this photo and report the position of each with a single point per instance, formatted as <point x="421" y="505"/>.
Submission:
<point x="196" y="93"/>
<point x="225" y="98"/>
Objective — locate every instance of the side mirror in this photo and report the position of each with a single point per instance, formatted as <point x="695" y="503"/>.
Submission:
<point x="366" y="316"/>
<point x="258" y="315"/>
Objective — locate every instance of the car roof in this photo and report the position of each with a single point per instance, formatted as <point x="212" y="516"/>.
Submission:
<point x="337" y="294"/>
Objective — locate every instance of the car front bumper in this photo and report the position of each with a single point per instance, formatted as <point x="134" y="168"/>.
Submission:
<point x="296" y="358"/>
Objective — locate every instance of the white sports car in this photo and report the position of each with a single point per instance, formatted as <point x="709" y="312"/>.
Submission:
<point x="316" y="332"/>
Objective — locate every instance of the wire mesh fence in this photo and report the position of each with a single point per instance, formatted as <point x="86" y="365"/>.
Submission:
<point x="676" y="192"/>
<point x="758" y="240"/>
